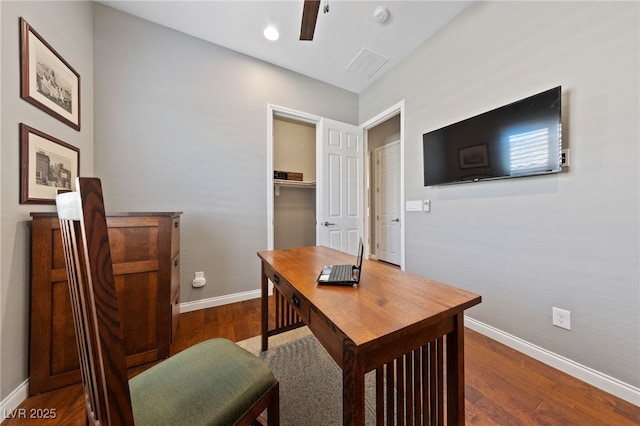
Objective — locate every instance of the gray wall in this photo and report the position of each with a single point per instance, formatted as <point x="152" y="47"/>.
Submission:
<point x="68" y="27"/>
<point x="181" y="124"/>
<point x="525" y="245"/>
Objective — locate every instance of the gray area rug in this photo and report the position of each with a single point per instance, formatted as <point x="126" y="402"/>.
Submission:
<point x="310" y="380"/>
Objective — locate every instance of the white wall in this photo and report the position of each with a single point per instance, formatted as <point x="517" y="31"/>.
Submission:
<point x="68" y="27"/>
<point x="568" y="240"/>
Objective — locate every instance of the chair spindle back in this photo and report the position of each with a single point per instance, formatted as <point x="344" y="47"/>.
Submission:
<point x="95" y="307"/>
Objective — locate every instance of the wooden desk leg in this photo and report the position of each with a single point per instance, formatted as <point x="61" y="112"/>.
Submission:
<point x="353" y="412"/>
<point x="455" y="373"/>
<point x="264" y="322"/>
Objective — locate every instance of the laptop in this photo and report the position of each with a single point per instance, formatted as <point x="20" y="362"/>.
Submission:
<point x="342" y="274"/>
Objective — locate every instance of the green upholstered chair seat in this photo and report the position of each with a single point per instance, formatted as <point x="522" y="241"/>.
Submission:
<point x="223" y="378"/>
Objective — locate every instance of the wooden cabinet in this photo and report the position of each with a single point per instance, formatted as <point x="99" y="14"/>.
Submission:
<point x="145" y="251"/>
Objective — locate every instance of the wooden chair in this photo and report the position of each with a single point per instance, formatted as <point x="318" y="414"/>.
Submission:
<point x="215" y="382"/>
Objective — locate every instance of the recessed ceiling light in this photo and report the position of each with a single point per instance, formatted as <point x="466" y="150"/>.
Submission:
<point x="271" y="33"/>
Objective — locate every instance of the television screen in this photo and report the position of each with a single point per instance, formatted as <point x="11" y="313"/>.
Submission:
<point x="523" y="138"/>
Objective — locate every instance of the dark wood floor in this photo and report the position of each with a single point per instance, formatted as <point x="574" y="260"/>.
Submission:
<point x="503" y="386"/>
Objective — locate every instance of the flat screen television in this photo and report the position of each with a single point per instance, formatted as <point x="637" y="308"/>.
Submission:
<point x="523" y="138"/>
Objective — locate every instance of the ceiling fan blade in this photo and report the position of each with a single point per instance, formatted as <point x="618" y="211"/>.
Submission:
<point x="309" y="18"/>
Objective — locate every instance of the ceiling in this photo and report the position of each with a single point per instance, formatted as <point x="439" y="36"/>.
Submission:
<point x="348" y="31"/>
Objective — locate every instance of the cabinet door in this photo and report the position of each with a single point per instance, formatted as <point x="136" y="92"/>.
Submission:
<point x="62" y="333"/>
<point x="143" y="273"/>
<point x="138" y="305"/>
<point x="53" y="353"/>
<point x="135" y="247"/>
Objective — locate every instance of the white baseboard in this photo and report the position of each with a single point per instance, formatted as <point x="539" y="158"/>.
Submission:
<point x="13" y="400"/>
<point x="595" y="378"/>
<point x="219" y="300"/>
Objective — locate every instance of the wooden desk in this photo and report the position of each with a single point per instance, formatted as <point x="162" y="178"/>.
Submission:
<point x="407" y="328"/>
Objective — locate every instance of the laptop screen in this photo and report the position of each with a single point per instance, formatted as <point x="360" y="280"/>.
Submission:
<point x="360" y="256"/>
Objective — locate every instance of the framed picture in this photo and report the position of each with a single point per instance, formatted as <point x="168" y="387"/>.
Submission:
<point x="46" y="166"/>
<point x="46" y="79"/>
<point x="473" y="156"/>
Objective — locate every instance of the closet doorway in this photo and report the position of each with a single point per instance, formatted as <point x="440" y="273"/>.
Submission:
<point x="294" y="165"/>
<point x="337" y="181"/>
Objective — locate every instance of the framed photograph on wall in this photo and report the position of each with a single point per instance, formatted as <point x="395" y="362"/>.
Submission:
<point x="473" y="156"/>
<point x="46" y="79"/>
<point x="46" y="166"/>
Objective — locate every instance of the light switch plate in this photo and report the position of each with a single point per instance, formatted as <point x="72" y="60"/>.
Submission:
<point x="413" y="205"/>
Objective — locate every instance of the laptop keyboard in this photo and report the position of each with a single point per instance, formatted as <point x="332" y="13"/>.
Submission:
<point x="341" y="273"/>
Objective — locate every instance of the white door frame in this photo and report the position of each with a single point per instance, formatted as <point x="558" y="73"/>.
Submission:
<point x="369" y="124"/>
<point x="274" y="110"/>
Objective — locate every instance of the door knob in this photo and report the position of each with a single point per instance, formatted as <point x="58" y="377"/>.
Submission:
<point x="328" y="224"/>
<point x="395" y="220"/>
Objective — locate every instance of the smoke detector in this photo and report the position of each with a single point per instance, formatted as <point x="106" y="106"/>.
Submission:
<point x="381" y="14"/>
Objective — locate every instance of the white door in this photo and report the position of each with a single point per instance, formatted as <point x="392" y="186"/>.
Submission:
<point x="340" y="211"/>
<point x="388" y="202"/>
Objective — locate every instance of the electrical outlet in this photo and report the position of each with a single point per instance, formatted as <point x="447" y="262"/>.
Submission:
<point x="199" y="280"/>
<point x="561" y="318"/>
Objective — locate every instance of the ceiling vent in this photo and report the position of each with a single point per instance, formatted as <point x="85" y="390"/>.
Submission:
<point x="367" y="63"/>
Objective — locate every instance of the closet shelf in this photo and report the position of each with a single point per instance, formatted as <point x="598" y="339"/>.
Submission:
<point x="294" y="183"/>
